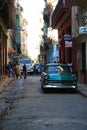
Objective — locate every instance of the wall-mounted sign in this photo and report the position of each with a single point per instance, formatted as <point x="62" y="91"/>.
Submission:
<point x="68" y="43"/>
<point x="83" y="30"/>
<point x="67" y="37"/>
<point x="20" y="28"/>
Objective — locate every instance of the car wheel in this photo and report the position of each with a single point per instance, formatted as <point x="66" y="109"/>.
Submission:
<point x="42" y="86"/>
<point x="43" y="89"/>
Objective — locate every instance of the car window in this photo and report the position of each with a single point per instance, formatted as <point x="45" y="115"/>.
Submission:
<point x="57" y="69"/>
<point x="24" y="62"/>
<point x="65" y="68"/>
<point x="53" y="69"/>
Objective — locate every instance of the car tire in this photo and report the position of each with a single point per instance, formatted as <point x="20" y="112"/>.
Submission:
<point x="43" y="89"/>
<point x="42" y="86"/>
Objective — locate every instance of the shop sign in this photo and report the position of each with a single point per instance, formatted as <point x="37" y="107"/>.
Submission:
<point x="20" y="28"/>
<point x="83" y="30"/>
<point x="67" y="37"/>
<point x="68" y="43"/>
<point x="15" y="56"/>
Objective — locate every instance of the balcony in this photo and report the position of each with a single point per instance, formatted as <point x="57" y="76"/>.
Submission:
<point x="42" y="50"/>
<point x="11" y="13"/>
<point x="79" y="2"/>
<point x="7" y="13"/>
<point x="46" y="13"/>
<point x="62" y="9"/>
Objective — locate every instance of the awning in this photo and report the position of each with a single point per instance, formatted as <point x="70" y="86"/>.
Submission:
<point x="11" y="51"/>
<point x="81" y="38"/>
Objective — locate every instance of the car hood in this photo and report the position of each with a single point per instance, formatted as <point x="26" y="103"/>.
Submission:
<point x="60" y="76"/>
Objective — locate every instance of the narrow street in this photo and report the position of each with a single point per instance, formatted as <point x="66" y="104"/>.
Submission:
<point x="34" y="38"/>
<point x="31" y="109"/>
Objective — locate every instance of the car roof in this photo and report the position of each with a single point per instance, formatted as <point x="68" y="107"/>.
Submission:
<point x="61" y="64"/>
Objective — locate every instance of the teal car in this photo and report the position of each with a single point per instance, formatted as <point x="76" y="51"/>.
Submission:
<point x="57" y="75"/>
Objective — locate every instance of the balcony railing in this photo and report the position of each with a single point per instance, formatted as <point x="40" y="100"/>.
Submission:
<point x="60" y="5"/>
<point x="46" y="11"/>
<point x="46" y="14"/>
<point x="42" y="50"/>
<point x="79" y="2"/>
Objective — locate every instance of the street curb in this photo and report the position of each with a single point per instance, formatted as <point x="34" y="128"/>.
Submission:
<point x="82" y="93"/>
<point x="4" y="86"/>
<point x="3" y="111"/>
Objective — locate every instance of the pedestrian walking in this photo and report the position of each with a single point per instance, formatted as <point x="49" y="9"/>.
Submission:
<point x="70" y="65"/>
<point x="24" y="71"/>
<point x="17" y="70"/>
<point x="10" y="69"/>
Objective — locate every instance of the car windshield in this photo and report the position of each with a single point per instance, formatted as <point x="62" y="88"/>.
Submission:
<point x="24" y="62"/>
<point x="58" y="69"/>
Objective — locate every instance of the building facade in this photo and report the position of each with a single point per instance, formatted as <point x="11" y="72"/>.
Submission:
<point x="48" y="47"/>
<point x="6" y="22"/>
<point x="10" y="33"/>
<point x="70" y="18"/>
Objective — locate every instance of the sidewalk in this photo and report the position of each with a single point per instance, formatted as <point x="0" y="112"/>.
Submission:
<point x="82" y="88"/>
<point x="4" y="84"/>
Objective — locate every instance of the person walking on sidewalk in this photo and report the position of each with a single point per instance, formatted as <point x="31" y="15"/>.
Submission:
<point x="24" y="71"/>
<point x="10" y="69"/>
<point x="17" y="70"/>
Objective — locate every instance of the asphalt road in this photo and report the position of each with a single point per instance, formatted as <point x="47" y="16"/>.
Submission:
<point x="34" y="110"/>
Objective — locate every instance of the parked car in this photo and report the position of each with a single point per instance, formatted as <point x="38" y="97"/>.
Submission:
<point x="38" y="68"/>
<point x="28" y="64"/>
<point x="56" y="75"/>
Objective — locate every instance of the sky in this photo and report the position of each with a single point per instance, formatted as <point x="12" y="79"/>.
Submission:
<point x="32" y="12"/>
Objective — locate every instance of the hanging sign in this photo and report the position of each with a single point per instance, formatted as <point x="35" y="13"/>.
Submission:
<point x="83" y="30"/>
<point x="67" y="37"/>
<point x="68" y="43"/>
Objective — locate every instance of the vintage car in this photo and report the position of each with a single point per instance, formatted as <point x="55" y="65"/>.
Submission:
<point x="28" y="64"/>
<point x="57" y="75"/>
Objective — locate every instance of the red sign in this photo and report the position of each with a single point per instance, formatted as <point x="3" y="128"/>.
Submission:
<point x="68" y="43"/>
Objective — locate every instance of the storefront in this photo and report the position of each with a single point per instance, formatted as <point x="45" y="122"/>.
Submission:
<point x="3" y="52"/>
<point x="82" y="58"/>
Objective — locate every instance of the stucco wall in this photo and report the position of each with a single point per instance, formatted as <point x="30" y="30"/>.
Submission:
<point x="74" y="22"/>
<point x="86" y="55"/>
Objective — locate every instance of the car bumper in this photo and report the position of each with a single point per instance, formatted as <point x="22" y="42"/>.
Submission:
<point x="60" y="86"/>
<point x="28" y="71"/>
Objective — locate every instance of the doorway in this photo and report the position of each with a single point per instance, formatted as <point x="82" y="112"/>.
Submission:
<point x="84" y="61"/>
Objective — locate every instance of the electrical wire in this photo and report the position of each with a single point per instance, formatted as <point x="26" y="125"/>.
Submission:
<point x="2" y="4"/>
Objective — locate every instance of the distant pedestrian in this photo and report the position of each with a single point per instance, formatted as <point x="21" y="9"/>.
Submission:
<point x="70" y="65"/>
<point x="55" y="62"/>
<point x="24" y="71"/>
